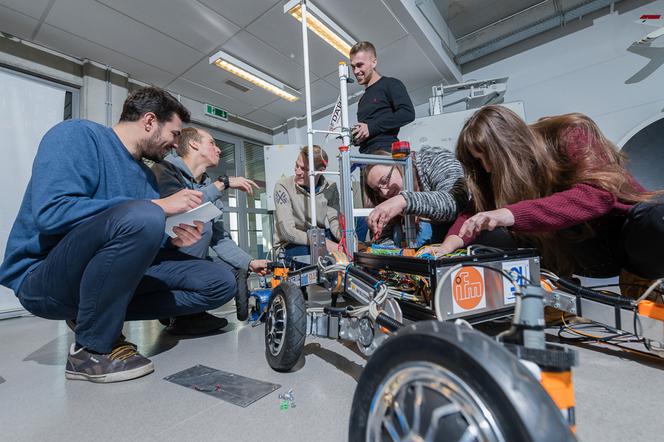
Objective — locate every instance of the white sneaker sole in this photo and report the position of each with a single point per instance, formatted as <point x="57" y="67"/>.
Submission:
<point x="111" y="377"/>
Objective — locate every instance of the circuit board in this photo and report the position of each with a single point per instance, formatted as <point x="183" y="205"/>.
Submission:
<point x="473" y="291"/>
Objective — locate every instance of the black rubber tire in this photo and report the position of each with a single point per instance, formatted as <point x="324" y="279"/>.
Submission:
<point x="242" y="295"/>
<point x="295" y="332"/>
<point x="522" y="408"/>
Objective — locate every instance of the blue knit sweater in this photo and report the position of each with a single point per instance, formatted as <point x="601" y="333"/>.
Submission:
<point x="81" y="169"/>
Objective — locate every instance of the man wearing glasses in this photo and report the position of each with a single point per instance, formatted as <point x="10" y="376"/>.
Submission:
<point x="439" y="192"/>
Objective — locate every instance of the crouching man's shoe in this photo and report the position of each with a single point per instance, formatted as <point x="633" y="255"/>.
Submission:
<point x="121" y="364"/>
<point x="195" y="324"/>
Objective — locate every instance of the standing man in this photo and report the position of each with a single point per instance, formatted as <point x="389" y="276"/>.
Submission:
<point x="196" y="152"/>
<point x="385" y="106"/>
<point x="383" y="109"/>
<point x="89" y="240"/>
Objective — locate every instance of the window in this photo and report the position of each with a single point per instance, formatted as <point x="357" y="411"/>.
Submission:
<point x="255" y="170"/>
<point x="259" y="229"/>
<point x="245" y="215"/>
<point x="259" y="221"/>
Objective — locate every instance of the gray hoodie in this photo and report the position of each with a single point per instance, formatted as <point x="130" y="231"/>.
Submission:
<point x="291" y="215"/>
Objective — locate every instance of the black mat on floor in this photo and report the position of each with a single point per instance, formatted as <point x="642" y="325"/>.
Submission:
<point x="229" y="387"/>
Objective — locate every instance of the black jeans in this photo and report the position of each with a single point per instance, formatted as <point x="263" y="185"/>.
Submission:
<point x="112" y="268"/>
<point x="633" y="242"/>
<point x="642" y="238"/>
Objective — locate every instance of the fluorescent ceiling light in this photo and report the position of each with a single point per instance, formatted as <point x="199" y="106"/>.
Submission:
<point x="253" y="76"/>
<point x="322" y="26"/>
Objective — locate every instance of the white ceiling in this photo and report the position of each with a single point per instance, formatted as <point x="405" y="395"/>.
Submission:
<point x="167" y="43"/>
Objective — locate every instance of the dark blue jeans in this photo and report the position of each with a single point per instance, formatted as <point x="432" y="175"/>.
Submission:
<point x="293" y="250"/>
<point x="113" y="268"/>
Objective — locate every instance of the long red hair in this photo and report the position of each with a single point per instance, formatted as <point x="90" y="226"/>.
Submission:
<point x="530" y="162"/>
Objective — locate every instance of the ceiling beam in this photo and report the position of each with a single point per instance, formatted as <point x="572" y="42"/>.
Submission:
<point x="547" y="16"/>
<point x="422" y="20"/>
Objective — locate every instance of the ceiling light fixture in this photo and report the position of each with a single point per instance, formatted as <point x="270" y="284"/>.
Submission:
<point x="321" y="25"/>
<point x="253" y="76"/>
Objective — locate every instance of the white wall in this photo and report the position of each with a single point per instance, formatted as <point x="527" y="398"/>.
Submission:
<point x="443" y="130"/>
<point x="589" y="71"/>
<point x="21" y="98"/>
<point x="196" y="108"/>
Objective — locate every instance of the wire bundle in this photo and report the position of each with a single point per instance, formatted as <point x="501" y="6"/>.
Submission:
<point x="614" y="337"/>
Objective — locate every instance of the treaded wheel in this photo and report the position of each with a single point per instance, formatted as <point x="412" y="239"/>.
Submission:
<point x="437" y="381"/>
<point x="242" y="296"/>
<point x="285" y="327"/>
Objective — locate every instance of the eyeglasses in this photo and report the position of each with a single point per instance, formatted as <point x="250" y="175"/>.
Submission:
<point x="384" y="182"/>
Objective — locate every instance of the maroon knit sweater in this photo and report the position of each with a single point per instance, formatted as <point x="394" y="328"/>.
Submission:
<point x="579" y="204"/>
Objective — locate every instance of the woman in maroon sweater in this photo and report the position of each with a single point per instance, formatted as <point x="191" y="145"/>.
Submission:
<point x="561" y="186"/>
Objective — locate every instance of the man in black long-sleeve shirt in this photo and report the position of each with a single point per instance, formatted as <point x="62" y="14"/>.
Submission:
<point x="385" y="106"/>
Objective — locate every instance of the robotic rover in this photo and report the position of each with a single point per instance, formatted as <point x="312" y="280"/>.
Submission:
<point x="438" y="378"/>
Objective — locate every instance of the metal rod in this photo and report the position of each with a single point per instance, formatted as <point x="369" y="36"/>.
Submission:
<point x="409" y="221"/>
<point x="344" y="163"/>
<point x="326" y="172"/>
<point x="377" y="159"/>
<point x="310" y="135"/>
<point x="332" y="132"/>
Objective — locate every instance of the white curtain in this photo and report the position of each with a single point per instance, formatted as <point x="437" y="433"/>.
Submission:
<point x="28" y="109"/>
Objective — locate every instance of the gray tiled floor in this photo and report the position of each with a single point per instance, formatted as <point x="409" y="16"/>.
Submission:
<point x="619" y="396"/>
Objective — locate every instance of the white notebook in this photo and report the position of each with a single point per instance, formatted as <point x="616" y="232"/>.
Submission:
<point x="203" y="213"/>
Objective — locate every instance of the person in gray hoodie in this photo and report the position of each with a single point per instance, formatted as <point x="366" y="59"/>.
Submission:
<point x="186" y="169"/>
<point x="292" y="215"/>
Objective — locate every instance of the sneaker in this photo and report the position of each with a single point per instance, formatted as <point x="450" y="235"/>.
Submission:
<point x="196" y="324"/>
<point x="121" y="364"/>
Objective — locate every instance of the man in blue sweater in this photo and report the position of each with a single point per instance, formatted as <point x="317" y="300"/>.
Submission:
<point x="89" y="241"/>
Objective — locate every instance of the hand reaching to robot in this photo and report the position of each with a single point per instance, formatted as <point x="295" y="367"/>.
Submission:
<point x="384" y="212"/>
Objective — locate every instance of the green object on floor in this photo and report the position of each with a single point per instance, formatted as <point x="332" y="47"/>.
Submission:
<point x="283" y="406"/>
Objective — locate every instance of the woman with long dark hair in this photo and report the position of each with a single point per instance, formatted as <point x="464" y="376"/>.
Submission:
<point x="561" y="186"/>
<point x="439" y="193"/>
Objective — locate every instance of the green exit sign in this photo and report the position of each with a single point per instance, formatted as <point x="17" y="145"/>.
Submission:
<point x="216" y="112"/>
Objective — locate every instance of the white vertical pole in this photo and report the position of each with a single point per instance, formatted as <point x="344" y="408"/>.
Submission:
<point x="343" y="89"/>
<point x="409" y="220"/>
<point x="344" y="162"/>
<point x="310" y="133"/>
